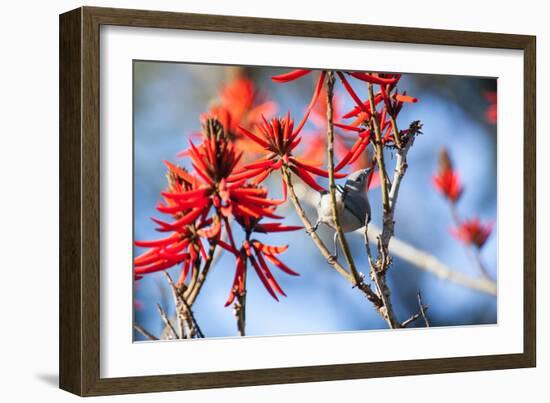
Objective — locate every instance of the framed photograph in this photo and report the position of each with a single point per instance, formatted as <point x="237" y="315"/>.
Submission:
<point x="249" y="201"/>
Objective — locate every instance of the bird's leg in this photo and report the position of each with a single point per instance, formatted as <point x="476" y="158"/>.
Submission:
<point x="334" y="257"/>
<point x="314" y="228"/>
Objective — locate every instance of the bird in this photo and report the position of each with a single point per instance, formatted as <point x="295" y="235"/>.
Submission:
<point x="352" y="204"/>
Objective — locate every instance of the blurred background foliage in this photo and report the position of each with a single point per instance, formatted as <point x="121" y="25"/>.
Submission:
<point x="168" y="101"/>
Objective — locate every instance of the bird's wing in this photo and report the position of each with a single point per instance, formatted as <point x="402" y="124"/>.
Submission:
<point x="359" y="207"/>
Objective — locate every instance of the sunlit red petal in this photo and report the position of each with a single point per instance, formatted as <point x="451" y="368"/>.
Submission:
<point x="307" y="178"/>
<point x="293" y="75"/>
<point x="316" y="93"/>
<point x="373" y="79"/>
<point x="281" y="265"/>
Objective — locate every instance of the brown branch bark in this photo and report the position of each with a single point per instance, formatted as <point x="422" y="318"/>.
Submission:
<point x="144" y="332"/>
<point x="194" y="289"/>
<point x="332" y="185"/>
<point x="167" y="322"/>
<point x="378" y="271"/>
<point x="240" y="305"/>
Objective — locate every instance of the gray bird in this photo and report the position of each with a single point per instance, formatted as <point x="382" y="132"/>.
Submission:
<point x="352" y="204"/>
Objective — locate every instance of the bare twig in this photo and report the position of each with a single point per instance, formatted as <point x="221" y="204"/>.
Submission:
<point x="378" y="272"/>
<point x="167" y="322"/>
<point x="407" y="322"/>
<point x="195" y="287"/>
<point x="184" y="312"/>
<point x="379" y="151"/>
<point x="396" y="133"/>
<point x="240" y="304"/>
<point x="421" y="313"/>
<point x="240" y="313"/>
<point x="196" y="328"/>
<point x="424" y="261"/>
<point x="332" y="185"/>
<point x="423" y="309"/>
<point x="144" y="332"/>
<point x="180" y="317"/>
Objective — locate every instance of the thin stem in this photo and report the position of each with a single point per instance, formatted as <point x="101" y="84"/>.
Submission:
<point x="144" y="332"/>
<point x="196" y="328"/>
<point x="422" y="260"/>
<point x="184" y="312"/>
<point x="379" y="151"/>
<point x="332" y="185"/>
<point x="473" y="255"/>
<point x="240" y="306"/>
<point x="396" y="134"/>
<point x="309" y="227"/>
<point x="180" y="317"/>
<point x="193" y="292"/>
<point x="167" y="322"/>
<point x="384" y="294"/>
<point x="423" y="309"/>
<point x="378" y="272"/>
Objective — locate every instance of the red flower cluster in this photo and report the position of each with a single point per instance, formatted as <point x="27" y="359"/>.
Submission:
<point x="387" y="95"/>
<point x="473" y="232"/>
<point x="223" y="186"/>
<point x="279" y="139"/>
<point x="257" y="253"/>
<point x="317" y="140"/>
<point x="391" y="104"/>
<point x="183" y="245"/>
<point x="200" y="205"/>
<point x="447" y="181"/>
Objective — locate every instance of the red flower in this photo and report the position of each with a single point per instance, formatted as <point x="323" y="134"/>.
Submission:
<point x="279" y="139"/>
<point x="491" y="112"/>
<point x="240" y="105"/>
<point x="448" y="184"/>
<point x="447" y="181"/>
<point x="183" y="245"/>
<point x="190" y="199"/>
<point x="248" y="220"/>
<point x="317" y="141"/>
<point x="295" y="74"/>
<point x="258" y="254"/>
<point x="473" y="232"/>
<point x="392" y="105"/>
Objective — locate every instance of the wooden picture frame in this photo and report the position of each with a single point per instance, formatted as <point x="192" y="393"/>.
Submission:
<point x="80" y="199"/>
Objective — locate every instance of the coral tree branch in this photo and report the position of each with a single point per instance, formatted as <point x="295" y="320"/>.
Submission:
<point x="332" y="185"/>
